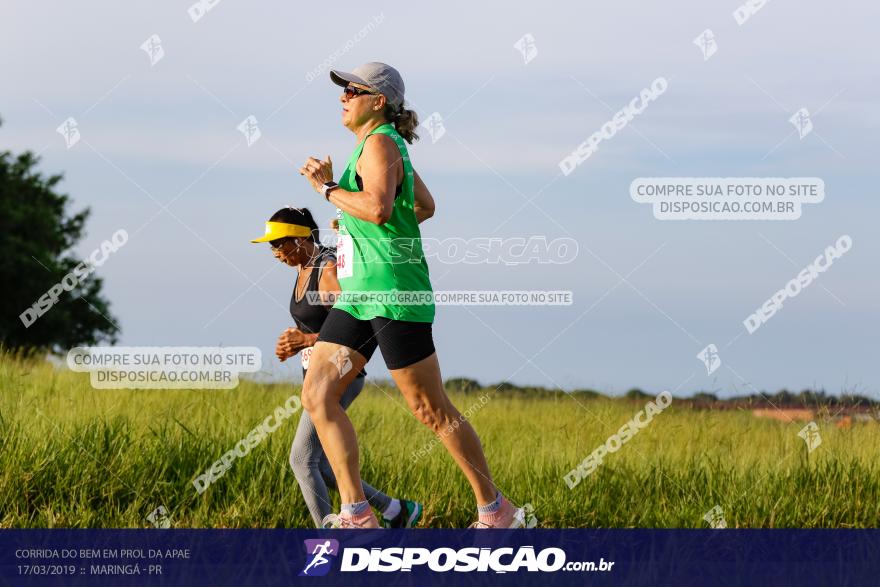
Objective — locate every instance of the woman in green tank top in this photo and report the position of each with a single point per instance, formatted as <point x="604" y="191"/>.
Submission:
<point x="386" y="299"/>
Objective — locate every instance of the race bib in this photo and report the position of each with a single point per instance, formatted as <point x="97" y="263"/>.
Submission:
<point x="344" y="256"/>
<point x="305" y="356"/>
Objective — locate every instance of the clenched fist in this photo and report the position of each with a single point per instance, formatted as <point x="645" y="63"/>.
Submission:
<point x="317" y="172"/>
<point x="291" y="341"/>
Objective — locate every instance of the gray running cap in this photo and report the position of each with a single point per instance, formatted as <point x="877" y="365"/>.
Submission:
<point x="379" y="77"/>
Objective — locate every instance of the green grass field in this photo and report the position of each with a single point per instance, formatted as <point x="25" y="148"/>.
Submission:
<point x="72" y="456"/>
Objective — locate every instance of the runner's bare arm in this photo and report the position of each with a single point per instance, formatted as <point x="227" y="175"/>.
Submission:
<point x="328" y="285"/>
<point x="424" y="204"/>
<point x="328" y="289"/>
<point x="381" y="169"/>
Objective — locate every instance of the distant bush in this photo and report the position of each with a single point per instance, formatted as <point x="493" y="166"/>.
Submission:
<point x="586" y="393"/>
<point x="637" y="394"/>
<point x="462" y="384"/>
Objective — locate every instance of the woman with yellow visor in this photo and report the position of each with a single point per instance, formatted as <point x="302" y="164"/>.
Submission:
<point x="293" y="235"/>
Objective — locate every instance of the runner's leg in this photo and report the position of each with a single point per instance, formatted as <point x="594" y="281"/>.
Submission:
<point x="312" y="469"/>
<point x="305" y="460"/>
<point x="332" y="368"/>
<point x="377" y="499"/>
<point x="422" y="387"/>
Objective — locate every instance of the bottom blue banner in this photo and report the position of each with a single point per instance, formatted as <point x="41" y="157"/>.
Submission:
<point x="425" y="557"/>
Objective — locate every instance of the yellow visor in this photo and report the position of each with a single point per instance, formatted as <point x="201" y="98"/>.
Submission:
<point x="276" y="230"/>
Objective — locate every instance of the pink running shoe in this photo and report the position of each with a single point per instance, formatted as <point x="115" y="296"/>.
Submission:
<point x="347" y="521"/>
<point x="507" y="516"/>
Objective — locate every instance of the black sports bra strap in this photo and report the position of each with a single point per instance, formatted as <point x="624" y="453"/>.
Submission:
<point x="324" y="257"/>
<point x="360" y="184"/>
<point x="315" y="275"/>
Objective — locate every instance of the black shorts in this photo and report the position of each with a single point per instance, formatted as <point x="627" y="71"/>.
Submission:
<point x="402" y="343"/>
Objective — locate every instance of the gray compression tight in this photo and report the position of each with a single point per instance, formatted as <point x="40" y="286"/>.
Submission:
<point x="312" y="469"/>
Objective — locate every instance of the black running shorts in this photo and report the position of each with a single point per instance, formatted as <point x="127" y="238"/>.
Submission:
<point x="402" y="343"/>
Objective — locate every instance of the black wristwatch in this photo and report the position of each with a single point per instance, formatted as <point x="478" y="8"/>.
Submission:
<point x="327" y="188"/>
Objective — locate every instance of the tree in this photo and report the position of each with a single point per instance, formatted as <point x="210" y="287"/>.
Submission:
<point x="37" y="233"/>
<point x="704" y="397"/>
<point x="637" y="394"/>
<point x="462" y="384"/>
<point x="586" y="393"/>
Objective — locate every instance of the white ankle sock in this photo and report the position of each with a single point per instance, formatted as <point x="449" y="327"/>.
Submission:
<point x="392" y="510"/>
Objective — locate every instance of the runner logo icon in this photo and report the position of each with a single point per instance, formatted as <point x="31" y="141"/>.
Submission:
<point x="320" y="553"/>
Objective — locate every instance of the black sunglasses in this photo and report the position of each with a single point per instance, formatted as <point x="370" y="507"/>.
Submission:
<point x="278" y="243"/>
<point x="353" y="92"/>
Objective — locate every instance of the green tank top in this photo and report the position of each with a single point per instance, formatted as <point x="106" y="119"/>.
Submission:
<point x="380" y="263"/>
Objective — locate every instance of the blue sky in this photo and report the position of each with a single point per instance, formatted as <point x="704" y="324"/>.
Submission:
<point x="167" y="133"/>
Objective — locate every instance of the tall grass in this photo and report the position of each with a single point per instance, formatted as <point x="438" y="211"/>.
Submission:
<point x="73" y="456"/>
